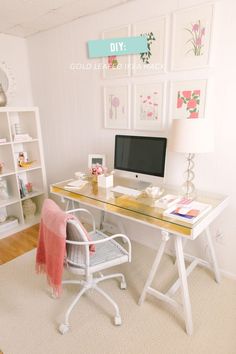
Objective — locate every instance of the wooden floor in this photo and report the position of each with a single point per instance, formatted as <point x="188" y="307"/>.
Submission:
<point x="17" y="244"/>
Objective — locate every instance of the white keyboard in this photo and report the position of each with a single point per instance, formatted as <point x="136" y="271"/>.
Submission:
<point x="126" y="191"/>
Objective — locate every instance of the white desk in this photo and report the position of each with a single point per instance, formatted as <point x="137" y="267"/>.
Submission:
<point x="139" y="209"/>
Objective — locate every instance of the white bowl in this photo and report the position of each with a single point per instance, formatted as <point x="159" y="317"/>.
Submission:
<point x="153" y="192"/>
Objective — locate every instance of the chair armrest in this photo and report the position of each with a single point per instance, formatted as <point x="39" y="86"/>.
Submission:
<point x="84" y="211"/>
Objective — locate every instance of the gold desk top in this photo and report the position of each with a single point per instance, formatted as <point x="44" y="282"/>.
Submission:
<point x="139" y="208"/>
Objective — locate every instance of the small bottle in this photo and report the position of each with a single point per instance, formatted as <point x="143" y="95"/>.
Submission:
<point x="3" y="97"/>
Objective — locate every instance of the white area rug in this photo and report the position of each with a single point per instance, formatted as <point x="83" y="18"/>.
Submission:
<point x="29" y="317"/>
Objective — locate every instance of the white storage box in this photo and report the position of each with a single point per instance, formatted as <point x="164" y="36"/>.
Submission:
<point x="105" y="181"/>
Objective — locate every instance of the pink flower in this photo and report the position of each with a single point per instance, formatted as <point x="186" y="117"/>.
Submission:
<point x="180" y="102"/>
<point x="187" y="94"/>
<point x="195" y="27"/>
<point x="149" y="97"/>
<point x="196" y="92"/>
<point x="193" y="115"/>
<point x="203" y="31"/>
<point x="115" y="102"/>
<point x="192" y="103"/>
<point x="150" y="114"/>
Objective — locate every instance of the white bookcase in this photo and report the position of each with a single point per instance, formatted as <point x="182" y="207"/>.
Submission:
<point x="12" y="174"/>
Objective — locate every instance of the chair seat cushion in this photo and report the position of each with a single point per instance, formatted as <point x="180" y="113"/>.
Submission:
<point x="107" y="253"/>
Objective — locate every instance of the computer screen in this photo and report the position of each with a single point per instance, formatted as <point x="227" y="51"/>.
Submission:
<point x="140" y="154"/>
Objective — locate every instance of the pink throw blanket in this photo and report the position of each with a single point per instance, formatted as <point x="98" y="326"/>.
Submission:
<point x="51" y="250"/>
<point x="52" y="244"/>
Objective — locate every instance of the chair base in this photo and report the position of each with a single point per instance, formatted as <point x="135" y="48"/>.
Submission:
<point x="91" y="283"/>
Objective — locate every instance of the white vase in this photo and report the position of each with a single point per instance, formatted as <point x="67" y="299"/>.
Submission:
<point x="29" y="209"/>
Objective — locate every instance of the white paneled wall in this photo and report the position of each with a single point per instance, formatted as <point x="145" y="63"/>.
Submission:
<point x="72" y="114"/>
<point x="14" y="52"/>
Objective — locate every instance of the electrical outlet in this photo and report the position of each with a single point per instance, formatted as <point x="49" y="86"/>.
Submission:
<point x="219" y="237"/>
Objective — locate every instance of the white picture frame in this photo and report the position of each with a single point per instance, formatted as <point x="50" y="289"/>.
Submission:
<point x="188" y="99"/>
<point x="149" y="100"/>
<point x="94" y="159"/>
<point x="191" y="37"/>
<point x="154" y="61"/>
<point x="116" y="66"/>
<point x="116" y="106"/>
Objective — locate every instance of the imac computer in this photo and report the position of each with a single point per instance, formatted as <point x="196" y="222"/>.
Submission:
<point x="140" y="160"/>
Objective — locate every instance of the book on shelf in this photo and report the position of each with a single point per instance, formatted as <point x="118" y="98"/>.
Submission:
<point x="167" y="201"/>
<point x="188" y="212"/>
<point x="22" y="137"/>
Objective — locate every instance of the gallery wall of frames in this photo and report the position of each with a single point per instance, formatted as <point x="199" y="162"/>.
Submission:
<point x="141" y="92"/>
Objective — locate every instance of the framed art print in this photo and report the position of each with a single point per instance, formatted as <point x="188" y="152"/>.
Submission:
<point x="191" y="37"/>
<point x="149" y="106"/>
<point x="152" y="61"/>
<point x="116" y="107"/>
<point x="116" y="65"/>
<point x="94" y="159"/>
<point x="188" y="99"/>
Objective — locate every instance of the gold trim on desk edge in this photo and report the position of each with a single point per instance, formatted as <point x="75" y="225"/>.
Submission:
<point x="171" y="227"/>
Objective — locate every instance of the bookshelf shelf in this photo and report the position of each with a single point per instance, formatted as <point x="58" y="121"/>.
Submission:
<point x="14" y="123"/>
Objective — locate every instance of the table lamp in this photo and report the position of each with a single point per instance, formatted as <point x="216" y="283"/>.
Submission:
<point x="191" y="136"/>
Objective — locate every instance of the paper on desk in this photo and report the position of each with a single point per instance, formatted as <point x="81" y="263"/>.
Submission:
<point x="76" y="184"/>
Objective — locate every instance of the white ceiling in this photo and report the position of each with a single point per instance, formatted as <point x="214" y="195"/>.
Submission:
<point x="23" y="18"/>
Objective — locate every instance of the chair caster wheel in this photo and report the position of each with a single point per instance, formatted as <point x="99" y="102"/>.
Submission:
<point x="117" y="321"/>
<point x="63" y="328"/>
<point x="123" y="285"/>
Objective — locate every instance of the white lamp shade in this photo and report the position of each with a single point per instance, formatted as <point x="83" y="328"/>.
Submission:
<point x="191" y="135"/>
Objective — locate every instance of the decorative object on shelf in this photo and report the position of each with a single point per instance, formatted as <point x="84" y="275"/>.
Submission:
<point x="3" y="214"/>
<point x="1" y="166"/>
<point x="23" y="160"/>
<point x="116" y="66"/>
<point x="116" y="107"/>
<point x="22" y="188"/>
<point x="19" y="133"/>
<point x="191" y="136"/>
<point x="191" y="37"/>
<point x="29" y="209"/>
<point x="94" y="159"/>
<point x="7" y="81"/>
<point x="188" y="99"/>
<point x="149" y="106"/>
<point x="29" y="187"/>
<point x="3" y="97"/>
<point x="153" y="61"/>
<point x="3" y="189"/>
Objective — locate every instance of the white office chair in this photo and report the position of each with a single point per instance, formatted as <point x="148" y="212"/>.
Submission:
<point x="81" y="261"/>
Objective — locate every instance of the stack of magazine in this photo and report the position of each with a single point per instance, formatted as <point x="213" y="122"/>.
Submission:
<point x="187" y="210"/>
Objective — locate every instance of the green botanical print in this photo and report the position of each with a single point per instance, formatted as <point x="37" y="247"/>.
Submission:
<point x="145" y="57"/>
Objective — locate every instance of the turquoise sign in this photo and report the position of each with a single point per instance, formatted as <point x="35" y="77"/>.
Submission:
<point x="117" y="46"/>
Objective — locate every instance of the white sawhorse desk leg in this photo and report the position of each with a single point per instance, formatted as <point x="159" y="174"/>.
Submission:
<point x="213" y="256"/>
<point x="181" y="282"/>
<point x="157" y="261"/>
<point x="184" y="285"/>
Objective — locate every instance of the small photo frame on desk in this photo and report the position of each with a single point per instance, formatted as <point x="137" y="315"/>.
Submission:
<point x="95" y="159"/>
